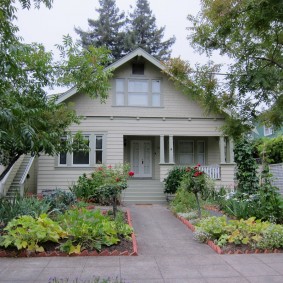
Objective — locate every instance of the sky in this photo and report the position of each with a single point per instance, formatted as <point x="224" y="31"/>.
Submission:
<point x="48" y="26"/>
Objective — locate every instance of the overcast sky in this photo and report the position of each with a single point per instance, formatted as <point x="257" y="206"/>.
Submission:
<point x="48" y="26"/>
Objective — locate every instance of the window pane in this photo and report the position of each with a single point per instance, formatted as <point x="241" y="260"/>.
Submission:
<point x="138" y="99"/>
<point x="81" y="157"/>
<point x="119" y="85"/>
<point x="138" y="86"/>
<point x="200" y="147"/>
<point x="156" y="86"/>
<point x="186" y="147"/>
<point x="156" y="99"/>
<point x="98" y="157"/>
<point x="120" y="100"/>
<point x="63" y="158"/>
<point x="186" y="159"/>
<point x="98" y="142"/>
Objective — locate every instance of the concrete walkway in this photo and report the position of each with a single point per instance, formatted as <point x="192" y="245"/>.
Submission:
<point x="167" y="254"/>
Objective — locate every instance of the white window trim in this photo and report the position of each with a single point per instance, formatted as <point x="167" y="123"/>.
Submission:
<point x="268" y="131"/>
<point x="92" y="143"/>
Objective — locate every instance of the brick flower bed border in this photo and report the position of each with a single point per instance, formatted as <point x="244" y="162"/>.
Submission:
<point x="83" y="253"/>
<point x="217" y="249"/>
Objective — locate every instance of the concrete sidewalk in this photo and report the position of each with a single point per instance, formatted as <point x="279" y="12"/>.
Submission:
<point x="167" y="253"/>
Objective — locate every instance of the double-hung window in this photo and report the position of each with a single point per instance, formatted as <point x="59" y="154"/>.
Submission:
<point x="83" y="156"/>
<point x="186" y="152"/>
<point x="138" y="92"/>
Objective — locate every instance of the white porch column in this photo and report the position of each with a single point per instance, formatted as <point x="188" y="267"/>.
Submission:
<point x="171" y="149"/>
<point x="222" y="150"/>
<point x="231" y="149"/>
<point x="162" y="158"/>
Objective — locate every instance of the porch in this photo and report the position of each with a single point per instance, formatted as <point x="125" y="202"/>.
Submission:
<point x="151" y="157"/>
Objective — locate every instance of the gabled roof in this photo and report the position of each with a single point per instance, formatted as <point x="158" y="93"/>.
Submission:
<point x="137" y="52"/>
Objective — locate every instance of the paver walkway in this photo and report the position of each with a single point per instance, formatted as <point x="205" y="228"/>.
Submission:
<point x="167" y="254"/>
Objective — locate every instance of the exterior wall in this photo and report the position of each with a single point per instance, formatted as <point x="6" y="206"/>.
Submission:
<point x="178" y="116"/>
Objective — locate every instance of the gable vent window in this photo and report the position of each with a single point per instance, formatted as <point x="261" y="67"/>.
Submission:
<point x="138" y="92"/>
<point x="138" y="69"/>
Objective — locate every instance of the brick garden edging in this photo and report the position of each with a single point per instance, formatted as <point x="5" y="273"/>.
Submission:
<point x="217" y="249"/>
<point x="105" y="252"/>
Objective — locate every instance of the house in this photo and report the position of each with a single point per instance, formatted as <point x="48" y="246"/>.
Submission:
<point x="146" y="122"/>
<point x="261" y="131"/>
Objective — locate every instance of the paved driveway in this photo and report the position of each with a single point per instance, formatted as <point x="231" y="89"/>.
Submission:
<point x="167" y="254"/>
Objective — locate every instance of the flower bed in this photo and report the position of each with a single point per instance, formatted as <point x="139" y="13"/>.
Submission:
<point x="230" y="248"/>
<point x="124" y="248"/>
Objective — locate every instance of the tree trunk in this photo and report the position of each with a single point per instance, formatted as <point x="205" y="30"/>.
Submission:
<point x="199" y="210"/>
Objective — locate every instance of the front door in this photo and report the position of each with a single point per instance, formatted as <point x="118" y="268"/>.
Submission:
<point x="141" y="160"/>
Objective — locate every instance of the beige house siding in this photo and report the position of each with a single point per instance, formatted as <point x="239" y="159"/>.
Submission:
<point x="178" y="115"/>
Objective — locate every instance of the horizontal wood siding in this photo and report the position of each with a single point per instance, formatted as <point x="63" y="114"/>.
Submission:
<point x="227" y="175"/>
<point x="174" y="103"/>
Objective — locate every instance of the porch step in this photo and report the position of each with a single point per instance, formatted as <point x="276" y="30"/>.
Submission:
<point x="144" y="192"/>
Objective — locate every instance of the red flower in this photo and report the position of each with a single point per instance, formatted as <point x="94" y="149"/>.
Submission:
<point x="198" y="164"/>
<point x="131" y="173"/>
<point x="100" y="168"/>
<point x="188" y="169"/>
<point x="110" y="167"/>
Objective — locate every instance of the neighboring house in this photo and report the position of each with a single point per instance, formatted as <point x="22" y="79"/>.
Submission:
<point x="261" y="131"/>
<point x="146" y="122"/>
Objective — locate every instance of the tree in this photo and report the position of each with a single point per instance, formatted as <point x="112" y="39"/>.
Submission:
<point x="31" y="122"/>
<point x="107" y="30"/>
<point x="143" y="32"/>
<point x="250" y="32"/>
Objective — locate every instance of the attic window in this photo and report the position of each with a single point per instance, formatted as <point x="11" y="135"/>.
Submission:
<point x="138" y="69"/>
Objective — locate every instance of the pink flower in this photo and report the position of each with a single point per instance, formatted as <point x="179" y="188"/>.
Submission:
<point x="188" y="169"/>
<point x="131" y="173"/>
<point x="110" y="167"/>
<point x="198" y="165"/>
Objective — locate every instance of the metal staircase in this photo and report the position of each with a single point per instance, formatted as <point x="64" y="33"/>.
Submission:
<point x="17" y="185"/>
<point x="144" y="192"/>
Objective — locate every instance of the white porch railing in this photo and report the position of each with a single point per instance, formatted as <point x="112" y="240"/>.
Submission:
<point x="213" y="172"/>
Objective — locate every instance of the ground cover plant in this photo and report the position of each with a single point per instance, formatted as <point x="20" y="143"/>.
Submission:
<point x="247" y="234"/>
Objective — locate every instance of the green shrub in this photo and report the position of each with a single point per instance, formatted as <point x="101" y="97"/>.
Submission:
<point x="183" y="201"/>
<point x="272" y="237"/>
<point x="9" y="209"/>
<point x="172" y="181"/>
<point x="60" y="200"/>
<point x="28" y="233"/>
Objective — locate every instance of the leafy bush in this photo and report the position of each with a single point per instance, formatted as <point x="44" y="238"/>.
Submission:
<point x="270" y="149"/>
<point x="60" y="200"/>
<point x="104" y="185"/>
<point x="90" y="229"/>
<point x="246" y="175"/>
<point x="272" y="237"/>
<point x="184" y="201"/>
<point x="28" y="233"/>
<point x="198" y="183"/>
<point x="172" y="181"/>
<point x="9" y="209"/>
